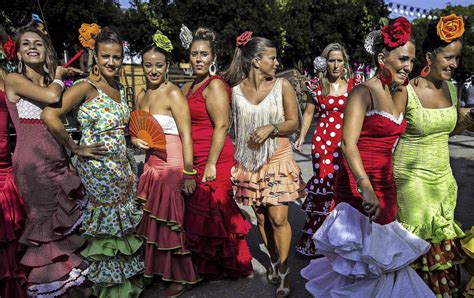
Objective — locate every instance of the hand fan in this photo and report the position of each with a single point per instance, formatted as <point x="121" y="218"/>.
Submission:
<point x="145" y="127"/>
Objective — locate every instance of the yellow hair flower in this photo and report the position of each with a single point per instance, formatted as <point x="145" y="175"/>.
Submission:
<point x="162" y="41"/>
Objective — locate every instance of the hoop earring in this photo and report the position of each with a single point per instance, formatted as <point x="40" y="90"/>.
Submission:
<point x="45" y="68"/>
<point x="426" y="70"/>
<point x="385" y="76"/>
<point x="20" y="66"/>
<point x="213" y="68"/>
<point x="94" y="75"/>
<point x="167" y="77"/>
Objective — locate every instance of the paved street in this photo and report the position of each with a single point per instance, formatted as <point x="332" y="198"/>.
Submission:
<point x="462" y="161"/>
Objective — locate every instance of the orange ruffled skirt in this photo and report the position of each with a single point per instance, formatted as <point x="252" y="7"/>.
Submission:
<point x="276" y="182"/>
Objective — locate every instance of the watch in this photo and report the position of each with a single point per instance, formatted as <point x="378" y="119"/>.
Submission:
<point x="275" y="130"/>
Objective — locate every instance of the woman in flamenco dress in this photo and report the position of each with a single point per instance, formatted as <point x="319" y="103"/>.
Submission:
<point x="163" y="181"/>
<point x="113" y="250"/>
<point x="214" y="225"/>
<point x="367" y="252"/>
<point x="52" y="191"/>
<point x="426" y="188"/>
<point x="328" y="95"/>
<point x="12" y="210"/>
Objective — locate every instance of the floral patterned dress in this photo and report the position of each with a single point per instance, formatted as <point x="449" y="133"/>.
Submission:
<point x="114" y="252"/>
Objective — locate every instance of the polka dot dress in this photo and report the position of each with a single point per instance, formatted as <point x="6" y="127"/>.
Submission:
<point x="327" y="157"/>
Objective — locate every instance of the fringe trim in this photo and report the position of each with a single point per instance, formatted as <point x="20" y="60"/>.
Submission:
<point x="57" y="288"/>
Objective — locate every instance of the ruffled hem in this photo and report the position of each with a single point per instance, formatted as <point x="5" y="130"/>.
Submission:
<point x="318" y="204"/>
<point x="215" y="230"/>
<point x="75" y="278"/>
<point x="115" y="270"/>
<point x="438" y="230"/>
<point x="130" y="288"/>
<point x="358" y="248"/>
<point x="274" y="183"/>
<point x="104" y="248"/>
<point x="171" y="266"/>
<point x="323" y="282"/>
<point x="306" y="246"/>
<point x="439" y="267"/>
<point x="468" y="244"/>
<point x="125" y="217"/>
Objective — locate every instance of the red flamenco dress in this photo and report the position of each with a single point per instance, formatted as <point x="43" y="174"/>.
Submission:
<point x="327" y="158"/>
<point x="12" y="217"/>
<point x="213" y="223"/>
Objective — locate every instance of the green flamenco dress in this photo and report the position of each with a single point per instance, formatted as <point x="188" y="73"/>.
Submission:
<point x="114" y="252"/>
<point x="427" y="191"/>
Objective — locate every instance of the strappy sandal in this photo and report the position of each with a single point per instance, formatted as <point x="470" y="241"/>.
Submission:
<point x="282" y="291"/>
<point x="273" y="277"/>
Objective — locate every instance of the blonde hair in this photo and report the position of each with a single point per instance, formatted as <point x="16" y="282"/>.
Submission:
<point x="322" y="75"/>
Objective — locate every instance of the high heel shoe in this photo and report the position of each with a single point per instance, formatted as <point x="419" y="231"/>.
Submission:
<point x="273" y="277"/>
<point x="282" y="291"/>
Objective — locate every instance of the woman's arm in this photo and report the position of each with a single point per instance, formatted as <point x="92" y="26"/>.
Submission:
<point x="306" y="123"/>
<point x="218" y="107"/>
<point x="18" y="86"/>
<point x="139" y="143"/>
<point x="354" y="114"/>
<point x="290" y="110"/>
<point x="180" y="112"/>
<point x="51" y="116"/>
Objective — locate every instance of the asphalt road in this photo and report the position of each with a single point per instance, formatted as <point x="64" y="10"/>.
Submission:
<point x="462" y="162"/>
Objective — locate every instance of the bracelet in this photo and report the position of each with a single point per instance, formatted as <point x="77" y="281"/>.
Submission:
<point x="60" y="83"/>
<point x="190" y="173"/>
<point x="359" y="190"/>
<point x="275" y="130"/>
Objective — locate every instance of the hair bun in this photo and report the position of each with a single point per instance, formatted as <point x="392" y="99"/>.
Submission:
<point x="206" y="34"/>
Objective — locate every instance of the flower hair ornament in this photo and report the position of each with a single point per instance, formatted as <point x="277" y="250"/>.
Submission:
<point x="394" y="35"/>
<point x="243" y="38"/>
<point x="450" y="28"/>
<point x="186" y="36"/>
<point x="8" y="54"/>
<point x="162" y="41"/>
<point x="320" y="64"/>
<point x="369" y="41"/>
<point x="87" y="35"/>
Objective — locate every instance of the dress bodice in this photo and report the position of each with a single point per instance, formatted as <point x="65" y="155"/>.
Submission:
<point x="167" y="123"/>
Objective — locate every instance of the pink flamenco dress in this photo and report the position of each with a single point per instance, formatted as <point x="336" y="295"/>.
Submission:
<point x="159" y="192"/>
<point x="363" y="258"/>
<point x="327" y="158"/>
<point x="12" y="217"/>
<point x="54" y="202"/>
<point x="214" y="225"/>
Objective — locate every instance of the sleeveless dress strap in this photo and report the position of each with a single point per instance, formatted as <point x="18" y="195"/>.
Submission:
<point x="372" y="105"/>
<point x="412" y="102"/>
<point x="453" y="93"/>
<point x="206" y="83"/>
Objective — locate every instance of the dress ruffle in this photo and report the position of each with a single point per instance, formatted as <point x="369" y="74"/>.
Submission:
<point x="215" y="230"/>
<point x="274" y="183"/>
<point x="12" y="221"/>
<point x="364" y="259"/>
<point x="162" y="224"/>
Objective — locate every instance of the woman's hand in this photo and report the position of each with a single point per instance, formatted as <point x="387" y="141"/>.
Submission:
<point x="95" y="151"/>
<point x="370" y="203"/>
<point x="62" y="72"/>
<point x="260" y="134"/>
<point x="209" y="173"/>
<point x="140" y="144"/>
<point x="299" y="142"/>
<point x="189" y="185"/>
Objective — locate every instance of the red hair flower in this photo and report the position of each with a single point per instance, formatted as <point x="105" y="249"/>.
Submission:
<point x="397" y="34"/>
<point x="243" y="38"/>
<point x="9" y="49"/>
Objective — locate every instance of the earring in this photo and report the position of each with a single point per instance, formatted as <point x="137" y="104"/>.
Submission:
<point x="213" y="68"/>
<point x="20" y="66"/>
<point x="426" y="70"/>
<point x="385" y="76"/>
<point x="45" y="68"/>
<point x="406" y="82"/>
<point x="94" y="75"/>
<point x="167" y="77"/>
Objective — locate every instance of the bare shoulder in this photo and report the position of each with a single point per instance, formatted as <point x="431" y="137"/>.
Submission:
<point x="174" y="92"/>
<point x="217" y="85"/>
<point x="185" y="88"/>
<point x="286" y="85"/>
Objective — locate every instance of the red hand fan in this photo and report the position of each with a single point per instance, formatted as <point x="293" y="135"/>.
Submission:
<point x="145" y="127"/>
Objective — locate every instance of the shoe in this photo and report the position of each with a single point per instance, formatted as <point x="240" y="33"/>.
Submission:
<point x="282" y="291"/>
<point x="273" y="277"/>
<point x="169" y="293"/>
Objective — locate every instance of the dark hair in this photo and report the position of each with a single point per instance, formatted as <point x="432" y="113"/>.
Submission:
<point x="432" y="42"/>
<point x="51" y="61"/>
<point x="154" y="48"/>
<point x="208" y="35"/>
<point x="242" y="61"/>
<point x="109" y="36"/>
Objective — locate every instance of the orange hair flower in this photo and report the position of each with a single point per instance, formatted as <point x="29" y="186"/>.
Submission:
<point x="450" y="27"/>
<point x="87" y="35"/>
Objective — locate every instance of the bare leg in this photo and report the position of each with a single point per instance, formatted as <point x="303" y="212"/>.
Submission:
<point x="266" y="231"/>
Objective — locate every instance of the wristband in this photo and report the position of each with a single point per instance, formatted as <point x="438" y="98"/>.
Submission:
<point x="60" y="83"/>
<point x="190" y="173"/>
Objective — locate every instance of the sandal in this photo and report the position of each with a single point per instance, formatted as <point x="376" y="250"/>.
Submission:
<point x="282" y="291"/>
<point x="273" y="277"/>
